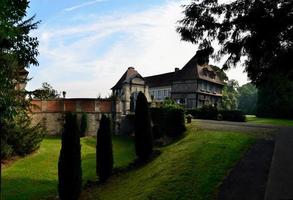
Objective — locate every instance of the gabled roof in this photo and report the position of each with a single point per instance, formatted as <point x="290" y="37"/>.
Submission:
<point x="130" y="74"/>
<point x="160" y="79"/>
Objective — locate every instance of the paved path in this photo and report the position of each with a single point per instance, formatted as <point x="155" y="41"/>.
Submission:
<point x="280" y="177"/>
<point x="280" y="182"/>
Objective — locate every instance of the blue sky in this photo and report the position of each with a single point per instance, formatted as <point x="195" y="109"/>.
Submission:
<point x="86" y="45"/>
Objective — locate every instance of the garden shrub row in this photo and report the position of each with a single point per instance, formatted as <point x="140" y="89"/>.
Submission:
<point x="167" y="121"/>
<point x="211" y="112"/>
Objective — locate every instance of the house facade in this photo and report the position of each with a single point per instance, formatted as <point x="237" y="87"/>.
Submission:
<point x="195" y="85"/>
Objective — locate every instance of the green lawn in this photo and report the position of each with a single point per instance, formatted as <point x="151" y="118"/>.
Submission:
<point x="270" y="121"/>
<point x="35" y="176"/>
<point x="191" y="168"/>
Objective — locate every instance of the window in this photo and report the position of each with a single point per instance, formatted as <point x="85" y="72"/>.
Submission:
<point x="165" y="93"/>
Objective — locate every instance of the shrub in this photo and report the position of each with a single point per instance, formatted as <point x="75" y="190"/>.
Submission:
<point x="169" y="120"/>
<point x="143" y="132"/>
<point x="19" y="136"/>
<point x="104" y="152"/>
<point x="233" y="115"/>
<point x="83" y="124"/>
<point x="175" y="122"/>
<point x="69" y="165"/>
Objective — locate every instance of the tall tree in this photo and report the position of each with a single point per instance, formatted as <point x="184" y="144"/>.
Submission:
<point x="258" y="30"/>
<point x="247" y="99"/>
<point x="142" y="127"/>
<point x="46" y="92"/>
<point x="230" y="95"/>
<point x="104" y="152"/>
<point x="18" y="50"/>
<point x="69" y="165"/>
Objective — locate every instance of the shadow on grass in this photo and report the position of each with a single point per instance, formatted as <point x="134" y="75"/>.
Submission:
<point x="25" y="188"/>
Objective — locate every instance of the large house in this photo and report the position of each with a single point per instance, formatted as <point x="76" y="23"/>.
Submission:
<point x="195" y="85"/>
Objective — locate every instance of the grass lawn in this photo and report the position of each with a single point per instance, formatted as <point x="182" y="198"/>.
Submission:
<point x="35" y="176"/>
<point x="271" y="121"/>
<point x="191" y="168"/>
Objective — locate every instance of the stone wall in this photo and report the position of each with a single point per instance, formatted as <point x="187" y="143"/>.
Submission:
<point x="50" y="113"/>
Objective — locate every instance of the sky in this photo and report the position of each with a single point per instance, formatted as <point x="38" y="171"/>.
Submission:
<point x="87" y="45"/>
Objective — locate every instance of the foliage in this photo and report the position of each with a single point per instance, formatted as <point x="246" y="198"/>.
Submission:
<point x="104" y="152"/>
<point x="69" y="165"/>
<point x="260" y="31"/>
<point x="170" y="103"/>
<point x="83" y="124"/>
<point x="233" y="115"/>
<point x="168" y="121"/>
<point x="275" y="98"/>
<point x="230" y="95"/>
<point x="211" y="112"/>
<point x="19" y="136"/>
<point x="247" y="98"/>
<point x="143" y="131"/>
<point x="18" y="50"/>
<point x="220" y="72"/>
<point x="46" y="92"/>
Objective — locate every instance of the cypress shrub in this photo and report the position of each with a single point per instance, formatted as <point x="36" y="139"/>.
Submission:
<point x="143" y="131"/>
<point x="69" y="165"/>
<point x="233" y="115"/>
<point x="83" y="124"/>
<point x="175" y="122"/>
<point x="104" y="152"/>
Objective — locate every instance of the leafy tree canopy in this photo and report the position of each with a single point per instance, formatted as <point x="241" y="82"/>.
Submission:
<point x="47" y="92"/>
<point x="247" y="98"/>
<point x="230" y="95"/>
<point x="258" y="30"/>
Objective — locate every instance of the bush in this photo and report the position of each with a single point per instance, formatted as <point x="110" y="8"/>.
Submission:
<point x="175" y="122"/>
<point x="143" y="131"/>
<point x="104" y="152"/>
<point x="19" y="137"/>
<point x="233" y="115"/>
<point x="169" y="121"/>
<point x="83" y="124"/>
<point x="205" y="112"/>
<point x="69" y="165"/>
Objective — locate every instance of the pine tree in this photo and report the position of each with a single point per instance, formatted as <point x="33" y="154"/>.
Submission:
<point x="104" y="152"/>
<point x="143" y="133"/>
<point x="69" y="165"/>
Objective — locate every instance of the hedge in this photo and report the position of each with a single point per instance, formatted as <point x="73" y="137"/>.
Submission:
<point x="167" y="121"/>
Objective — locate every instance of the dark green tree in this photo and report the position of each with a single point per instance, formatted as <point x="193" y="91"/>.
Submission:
<point x="18" y="50"/>
<point x="247" y="99"/>
<point x="46" y="92"/>
<point x="83" y="124"/>
<point x="104" y="152"/>
<point x="230" y="95"/>
<point x="260" y="31"/>
<point x="142" y="127"/>
<point x="69" y="165"/>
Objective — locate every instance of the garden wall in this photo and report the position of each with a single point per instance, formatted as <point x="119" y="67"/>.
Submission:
<point x="50" y="113"/>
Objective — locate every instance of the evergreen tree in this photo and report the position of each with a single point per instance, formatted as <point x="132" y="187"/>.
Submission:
<point x="104" y="152"/>
<point x="83" y="124"/>
<point x="69" y="165"/>
<point x="143" y="131"/>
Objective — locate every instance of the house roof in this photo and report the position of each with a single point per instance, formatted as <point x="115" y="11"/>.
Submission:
<point x="160" y="79"/>
<point x="191" y="70"/>
<point x="130" y="74"/>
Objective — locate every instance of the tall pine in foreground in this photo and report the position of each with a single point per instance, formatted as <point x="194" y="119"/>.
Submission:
<point x="69" y="165"/>
<point x="104" y="150"/>
<point x="143" y="131"/>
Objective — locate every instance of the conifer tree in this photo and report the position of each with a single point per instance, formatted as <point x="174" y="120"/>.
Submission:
<point x="104" y="152"/>
<point x="143" y="131"/>
<point x="69" y="165"/>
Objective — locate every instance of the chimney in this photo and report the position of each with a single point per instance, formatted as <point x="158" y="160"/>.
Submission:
<point x="176" y="69"/>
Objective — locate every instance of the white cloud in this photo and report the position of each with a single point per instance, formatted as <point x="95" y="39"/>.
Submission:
<point x="82" y="5"/>
<point x="77" y="59"/>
